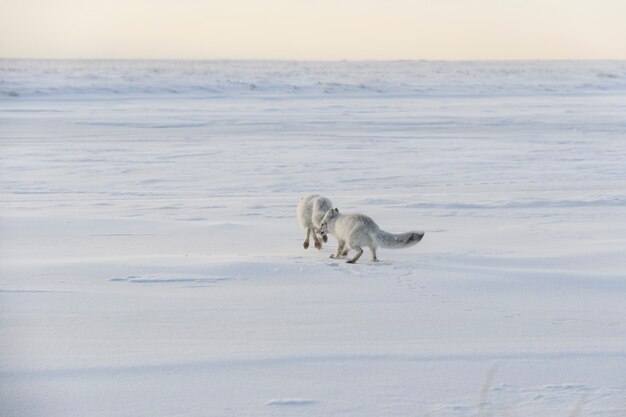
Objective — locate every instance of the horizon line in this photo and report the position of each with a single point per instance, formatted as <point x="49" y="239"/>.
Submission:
<point x="320" y="60"/>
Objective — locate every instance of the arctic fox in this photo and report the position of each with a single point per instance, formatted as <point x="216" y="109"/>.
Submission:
<point x="310" y="211"/>
<point x="353" y="231"/>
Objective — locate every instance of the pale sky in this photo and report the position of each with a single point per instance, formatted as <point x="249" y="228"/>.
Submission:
<point x="313" y="29"/>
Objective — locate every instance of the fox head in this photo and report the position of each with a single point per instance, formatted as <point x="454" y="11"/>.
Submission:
<point x="328" y="217"/>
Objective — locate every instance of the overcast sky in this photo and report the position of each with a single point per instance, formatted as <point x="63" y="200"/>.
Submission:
<point x="314" y="29"/>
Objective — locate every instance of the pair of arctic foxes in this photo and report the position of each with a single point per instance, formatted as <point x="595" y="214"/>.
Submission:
<point x="317" y="217"/>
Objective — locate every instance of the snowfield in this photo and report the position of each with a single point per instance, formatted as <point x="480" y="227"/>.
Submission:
<point x="151" y="263"/>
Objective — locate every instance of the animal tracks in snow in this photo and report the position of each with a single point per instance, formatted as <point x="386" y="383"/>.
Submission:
<point x="170" y="279"/>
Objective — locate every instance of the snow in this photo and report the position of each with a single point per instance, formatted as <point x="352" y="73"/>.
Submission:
<point x="151" y="263"/>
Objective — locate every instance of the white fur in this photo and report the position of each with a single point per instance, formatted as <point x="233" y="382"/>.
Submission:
<point x="354" y="231"/>
<point x="310" y="212"/>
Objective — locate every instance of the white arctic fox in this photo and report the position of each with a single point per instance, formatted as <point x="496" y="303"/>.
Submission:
<point x="310" y="211"/>
<point x="353" y="231"/>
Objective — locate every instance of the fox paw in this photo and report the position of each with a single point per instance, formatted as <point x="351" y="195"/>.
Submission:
<point x="306" y="245"/>
<point x="325" y="238"/>
<point x="318" y="245"/>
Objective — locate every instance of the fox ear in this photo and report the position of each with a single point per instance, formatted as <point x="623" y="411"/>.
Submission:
<point x="336" y="210"/>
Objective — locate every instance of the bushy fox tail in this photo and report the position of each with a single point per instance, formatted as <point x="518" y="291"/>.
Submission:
<point x="402" y="240"/>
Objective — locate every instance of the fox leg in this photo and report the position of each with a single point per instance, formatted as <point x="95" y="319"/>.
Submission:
<point x="306" y="239"/>
<point x="373" y="249"/>
<point x="341" y="251"/>
<point x="359" y="252"/>
<point x="318" y="242"/>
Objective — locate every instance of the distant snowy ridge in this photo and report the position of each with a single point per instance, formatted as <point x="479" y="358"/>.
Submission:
<point x="538" y="203"/>
<point x="292" y="402"/>
<point x="103" y="79"/>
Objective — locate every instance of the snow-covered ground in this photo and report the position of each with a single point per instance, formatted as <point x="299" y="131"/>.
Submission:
<point x="151" y="263"/>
